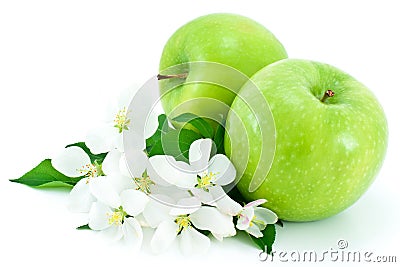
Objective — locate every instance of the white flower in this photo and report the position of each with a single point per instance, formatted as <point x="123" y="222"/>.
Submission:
<point x="184" y="228"/>
<point x="116" y="218"/>
<point x="120" y="117"/>
<point x="254" y="219"/>
<point x="204" y="177"/>
<point x="74" y="162"/>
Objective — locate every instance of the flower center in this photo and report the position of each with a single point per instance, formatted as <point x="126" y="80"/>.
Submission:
<point x="121" y="120"/>
<point x="91" y="170"/>
<point x="261" y="224"/>
<point x="144" y="182"/>
<point x="183" y="222"/>
<point x="117" y="217"/>
<point x="206" y="181"/>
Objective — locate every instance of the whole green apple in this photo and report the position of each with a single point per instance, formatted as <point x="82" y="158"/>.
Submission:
<point x="229" y="39"/>
<point x="330" y="135"/>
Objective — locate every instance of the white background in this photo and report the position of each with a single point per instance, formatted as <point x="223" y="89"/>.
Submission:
<point x="61" y="61"/>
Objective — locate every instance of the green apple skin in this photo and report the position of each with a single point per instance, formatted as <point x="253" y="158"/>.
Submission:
<point x="229" y="39"/>
<point x="327" y="153"/>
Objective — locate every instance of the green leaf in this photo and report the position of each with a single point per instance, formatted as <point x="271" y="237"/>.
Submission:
<point x="162" y="129"/>
<point x="175" y="143"/>
<point x="219" y="139"/>
<point x="83" y="227"/>
<point x="235" y="194"/>
<point x="45" y="175"/>
<point x="204" y="128"/>
<point x="267" y="240"/>
<point x="93" y="157"/>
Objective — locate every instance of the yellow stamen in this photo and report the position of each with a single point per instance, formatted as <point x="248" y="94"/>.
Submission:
<point x="183" y="222"/>
<point x="121" y="120"/>
<point x="206" y="180"/>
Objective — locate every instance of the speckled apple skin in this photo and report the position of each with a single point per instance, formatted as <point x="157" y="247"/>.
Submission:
<point x="229" y="39"/>
<point x="327" y="154"/>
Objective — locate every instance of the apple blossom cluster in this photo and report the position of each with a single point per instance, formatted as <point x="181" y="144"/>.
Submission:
<point x="182" y="201"/>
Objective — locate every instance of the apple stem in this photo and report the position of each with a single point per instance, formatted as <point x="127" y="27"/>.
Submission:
<point x="172" y="76"/>
<point x="328" y="93"/>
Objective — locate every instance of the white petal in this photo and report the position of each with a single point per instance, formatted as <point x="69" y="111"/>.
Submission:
<point x="126" y="96"/>
<point x="134" y="201"/>
<point x="133" y="234"/>
<point x="113" y="233"/>
<point x="192" y="242"/>
<point x="254" y="231"/>
<point x="209" y="218"/>
<point x="265" y="215"/>
<point x="245" y="218"/>
<point x="164" y="236"/>
<point x="142" y="104"/>
<point x="136" y="163"/>
<point x="123" y="166"/>
<point x="204" y="196"/>
<point x="186" y="206"/>
<point x="199" y="154"/>
<point x="80" y="198"/>
<point x="70" y="161"/>
<point x="155" y="177"/>
<point x="132" y="141"/>
<point x="102" y="189"/>
<point x="118" y="142"/>
<point x="98" y="216"/>
<point x="120" y="182"/>
<point x="110" y="164"/>
<point x="255" y="203"/>
<point x="224" y="203"/>
<point x="102" y="139"/>
<point x="173" y="172"/>
<point x="173" y="192"/>
<point x="157" y="210"/>
<point x="225" y="172"/>
<point x="151" y="124"/>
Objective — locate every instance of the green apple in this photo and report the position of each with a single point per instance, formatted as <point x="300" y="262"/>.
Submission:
<point x="330" y="135"/>
<point x="229" y="39"/>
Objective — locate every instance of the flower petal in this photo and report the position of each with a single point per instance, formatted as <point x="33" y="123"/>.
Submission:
<point x="245" y="218"/>
<point x="80" y="198"/>
<point x="173" y="172"/>
<point x="136" y="163"/>
<point x="155" y="177"/>
<point x="199" y="154"/>
<point x="133" y="201"/>
<point x="133" y="141"/>
<point x="70" y="161"/>
<point x="164" y="236"/>
<point x="204" y="196"/>
<point x="265" y="215"/>
<point x="209" y="218"/>
<point x="185" y="206"/>
<point x="157" y="210"/>
<point x="110" y="164"/>
<point x="254" y="231"/>
<point x="225" y="172"/>
<point x="102" y="139"/>
<point x="133" y="234"/>
<point x="192" y="242"/>
<point x="256" y="203"/>
<point x="102" y="189"/>
<point x="224" y="203"/>
<point x="121" y="182"/>
<point x="113" y="233"/>
<point x="98" y="216"/>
